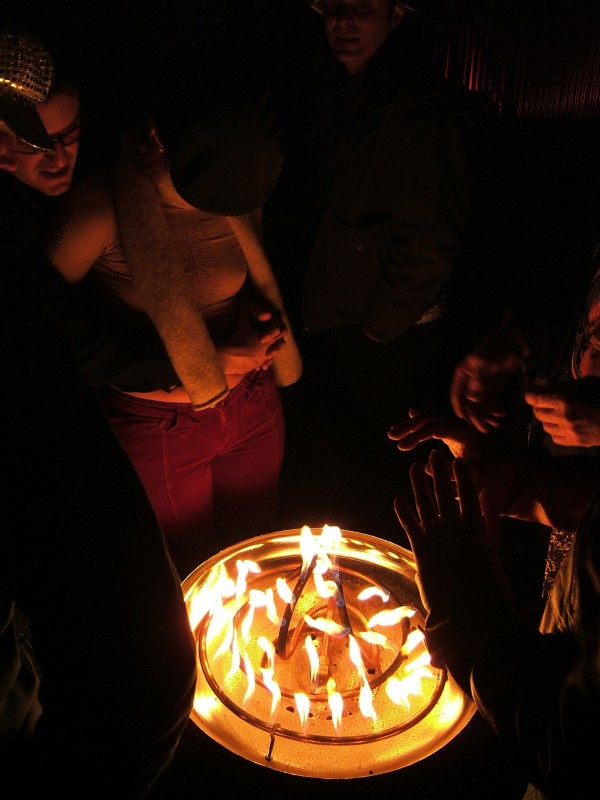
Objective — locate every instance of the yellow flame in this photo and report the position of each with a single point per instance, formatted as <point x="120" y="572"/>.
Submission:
<point x="374" y="591"/>
<point x="227" y="630"/>
<point x="206" y="704"/>
<point x="378" y="639"/>
<point x="232" y="606"/>
<point x="326" y="625"/>
<point x="399" y="689"/>
<point x="272" y="686"/>
<point x="250" y="677"/>
<point x="246" y="623"/>
<point x="365" y="696"/>
<point x="331" y="538"/>
<point x="271" y="608"/>
<point x="413" y="640"/>
<point x="284" y="591"/>
<point x="335" y="701"/>
<point x="324" y="588"/>
<point x="391" y="616"/>
<point x="209" y="597"/>
<point x="306" y="546"/>
<point x="269" y="649"/>
<point x="302" y="705"/>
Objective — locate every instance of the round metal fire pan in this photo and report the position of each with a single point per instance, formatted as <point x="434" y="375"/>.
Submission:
<point x="398" y="735"/>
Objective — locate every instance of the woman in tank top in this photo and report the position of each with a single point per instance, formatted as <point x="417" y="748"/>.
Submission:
<point x="169" y="239"/>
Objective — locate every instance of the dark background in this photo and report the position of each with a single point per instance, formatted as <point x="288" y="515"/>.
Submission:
<point x="530" y="74"/>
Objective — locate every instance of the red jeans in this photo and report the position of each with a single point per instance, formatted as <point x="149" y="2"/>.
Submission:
<point x="211" y="476"/>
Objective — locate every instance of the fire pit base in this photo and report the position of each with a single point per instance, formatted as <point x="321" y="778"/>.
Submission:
<point x="311" y="657"/>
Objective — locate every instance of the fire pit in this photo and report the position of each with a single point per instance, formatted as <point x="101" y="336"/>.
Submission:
<point x="311" y="656"/>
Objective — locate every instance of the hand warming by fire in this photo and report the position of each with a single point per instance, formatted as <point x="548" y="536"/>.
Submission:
<point x="307" y="642"/>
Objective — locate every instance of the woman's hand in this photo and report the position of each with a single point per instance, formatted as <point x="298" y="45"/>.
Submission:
<point x="257" y="340"/>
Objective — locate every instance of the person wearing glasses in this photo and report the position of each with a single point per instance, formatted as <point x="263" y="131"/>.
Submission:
<point x="170" y="236"/>
<point x="52" y="172"/>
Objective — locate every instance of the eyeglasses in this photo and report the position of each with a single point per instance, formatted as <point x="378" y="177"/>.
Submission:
<point x="66" y="138"/>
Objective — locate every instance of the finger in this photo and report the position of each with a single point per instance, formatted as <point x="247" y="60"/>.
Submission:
<point x="272" y="335"/>
<point x="413" y="434"/>
<point x="445" y="490"/>
<point x="274" y="348"/>
<point x="410" y="523"/>
<point x="467" y="494"/>
<point x="263" y="315"/>
<point x="424" y="498"/>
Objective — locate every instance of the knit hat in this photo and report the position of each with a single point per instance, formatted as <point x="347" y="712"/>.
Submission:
<point x="26" y="74"/>
<point x="223" y="147"/>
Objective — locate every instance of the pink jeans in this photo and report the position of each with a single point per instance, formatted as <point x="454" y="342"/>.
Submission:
<point x="211" y="476"/>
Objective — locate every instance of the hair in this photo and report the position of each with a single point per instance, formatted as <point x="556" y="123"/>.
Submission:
<point x="141" y="146"/>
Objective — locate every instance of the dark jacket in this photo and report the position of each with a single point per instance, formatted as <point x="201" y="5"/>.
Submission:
<point x="392" y="202"/>
<point x="91" y="611"/>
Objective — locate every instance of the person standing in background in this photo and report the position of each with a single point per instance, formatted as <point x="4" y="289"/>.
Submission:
<point x="207" y="440"/>
<point x="388" y="211"/>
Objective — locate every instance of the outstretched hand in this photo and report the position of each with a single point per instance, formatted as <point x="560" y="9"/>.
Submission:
<point x="454" y="536"/>
<point x="460" y="438"/>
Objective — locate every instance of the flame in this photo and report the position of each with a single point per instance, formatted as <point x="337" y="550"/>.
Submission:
<point x="335" y="701"/>
<point x="374" y="591"/>
<point x="326" y="625"/>
<point x="272" y="685"/>
<point x="249" y="672"/>
<point x="413" y="640"/>
<point x="365" y="697"/>
<point x="391" y="616"/>
<point x="303" y="705"/>
<point x="284" y="591"/>
<point x="232" y="607"/>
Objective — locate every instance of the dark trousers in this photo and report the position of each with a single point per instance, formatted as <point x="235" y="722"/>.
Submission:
<point x="340" y="466"/>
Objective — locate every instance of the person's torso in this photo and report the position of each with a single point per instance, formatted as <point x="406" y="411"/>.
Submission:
<point x="212" y="260"/>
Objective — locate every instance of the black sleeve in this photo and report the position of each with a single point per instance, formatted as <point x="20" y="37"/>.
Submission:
<point x="85" y="561"/>
<point x="107" y="349"/>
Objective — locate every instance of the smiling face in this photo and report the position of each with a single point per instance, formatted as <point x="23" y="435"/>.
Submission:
<point x="8" y="142"/>
<point x="356" y="29"/>
<point x="52" y="173"/>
